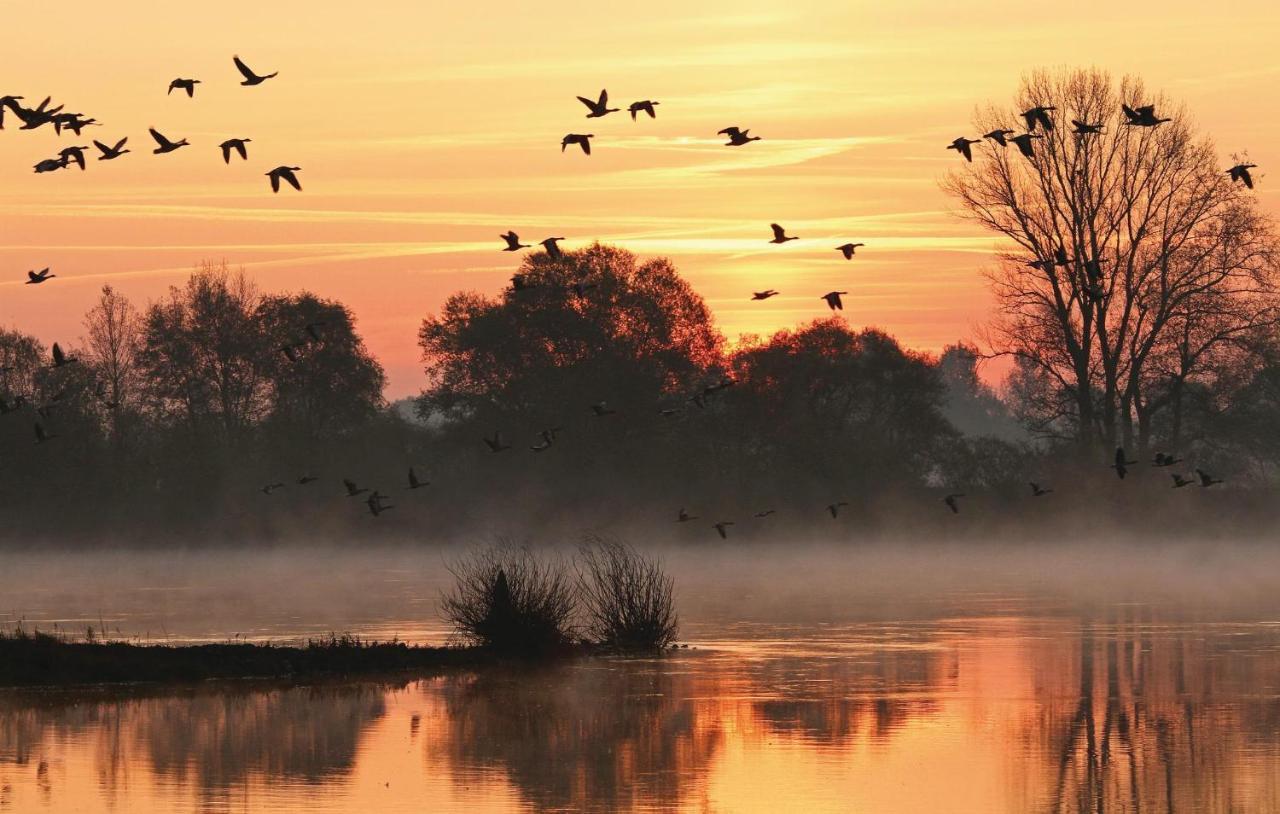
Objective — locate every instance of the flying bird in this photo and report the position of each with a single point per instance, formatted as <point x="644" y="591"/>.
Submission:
<point x="59" y="358"/>
<point x="76" y="154"/>
<point x="1038" y="115"/>
<point x="286" y="174"/>
<point x="646" y="107"/>
<point x="763" y="295"/>
<point x="271" y="487"/>
<point x="251" y="78"/>
<point x="721" y="528"/>
<point x="834" y="508"/>
<point x="1206" y="479"/>
<point x="599" y="107"/>
<point x="583" y="140"/>
<point x="51" y="164"/>
<point x="952" y="502"/>
<point x="189" y="85"/>
<point x="849" y="249"/>
<point x="164" y="145"/>
<point x="38" y="277"/>
<point x="685" y="517"/>
<point x="1121" y="466"/>
<point x="237" y="144"/>
<point x="305" y="479"/>
<point x="737" y="137"/>
<point x="513" y="242"/>
<point x="1240" y="172"/>
<point x="495" y="443"/>
<point x="1038" y="491"/>
<point x="1144" y="116"/>
<point x="601" y="408"/>
<point x="375" y="504"/>
<point x="765" y="513"/>
<point x="833" y="300"/>
<point x="1165" y="459"/>
<point x="109" y="153"/>
<point x="780" y="234"/>
<point x="414" y="483"/>
<point x="1086" y="129"/>
<point x="1179" y="481"/>
<point x="352" y="489"/>
<point x="1024" y="144"/>
<point x="520" y="282"/>
<point x="999" y="136"/>
<point x="552" y="246"/>
<point x="964" y="147"/>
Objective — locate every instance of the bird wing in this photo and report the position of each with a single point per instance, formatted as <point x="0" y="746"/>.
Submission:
<point x="242" y="150"/>
<point x="590" y="104"/>
<point x="244" y="69"/>
<point x="778" y="231"/>
<point x="293" y="180"/>
<point x="159" y="137"/>
<point x="604" y="97"/>
<point x="34" y="276"/>
<point x="729" y="131"/>
<point x="586" y="145"/>
<point x="275" y="182"/>
<point x="226" y="152"/>
<point x="104" y="148"/>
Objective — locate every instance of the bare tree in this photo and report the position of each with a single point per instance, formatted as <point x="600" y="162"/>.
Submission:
<point x="113" y="327"/>
<point x="1132" y="258"/>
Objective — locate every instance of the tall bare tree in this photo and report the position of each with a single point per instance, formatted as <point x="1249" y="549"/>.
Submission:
<point x="1131" y="258"/>
<point x="113" y="326"/>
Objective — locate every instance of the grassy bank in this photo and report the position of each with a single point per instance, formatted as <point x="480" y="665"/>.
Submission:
<point x="39" y="659"/>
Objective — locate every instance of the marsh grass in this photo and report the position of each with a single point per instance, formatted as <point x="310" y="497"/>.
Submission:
<point x="626" y="599"/>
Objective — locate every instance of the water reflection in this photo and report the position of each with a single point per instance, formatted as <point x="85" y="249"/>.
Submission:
<point x="1118" y="711"/>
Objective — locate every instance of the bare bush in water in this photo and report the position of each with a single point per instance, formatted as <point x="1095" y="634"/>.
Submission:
<point x="627" y="599"/>
<point x="511" y="601"/>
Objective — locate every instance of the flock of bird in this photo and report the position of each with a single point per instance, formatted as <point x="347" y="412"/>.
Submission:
<point x="1036" y="118"/>
<point x="62" y="120"/>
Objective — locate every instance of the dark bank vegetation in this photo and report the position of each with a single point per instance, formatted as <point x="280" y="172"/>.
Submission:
<point x="1136" y="294"/>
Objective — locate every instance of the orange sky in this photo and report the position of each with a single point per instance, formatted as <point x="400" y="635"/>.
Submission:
<point x="424" y="130"/>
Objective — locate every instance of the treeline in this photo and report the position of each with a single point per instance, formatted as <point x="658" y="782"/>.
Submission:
<point x="604" y="385"/>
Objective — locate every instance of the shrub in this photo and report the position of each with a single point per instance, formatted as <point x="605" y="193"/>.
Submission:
<point x="627" y="599"/>
<point x="510" y="601"/>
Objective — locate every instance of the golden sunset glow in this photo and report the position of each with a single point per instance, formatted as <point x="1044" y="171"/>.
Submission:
<point x="424" y="130"/>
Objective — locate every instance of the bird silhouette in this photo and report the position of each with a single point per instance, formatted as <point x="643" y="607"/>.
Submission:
<point x="1121" y="465"/>
<point x="271" y="487"/>
<point x="599" y="107"/>
<point x="999" y="136"/>
<point x="722" y="527"/>
<point x="833" y="300"/>
<point x="1038" y="116"/>
<point x="286" y="174"/>
<point x="305" y="479"/>
<point x="38" y="277"/>
<point x="646" y="107"/>
<point x="763" y="295"/>
<point x="76" y="154"/>
<point x="1179" y="481"/>
<point x="583" y="140"/>
<point x="552" y="247"/>
<point x="251" y="78"/>
<point x="520" y="282"/>
<point x="685" y="517"/>
<point x="189" y="85"/>
<point x="580" y="289"/>
<point x="780" y="234"/>
<point x="414" y="483"/>
<point x="51" y="165"/>
<point x="495" y="444"/>
<point x="1024" y="144"/>
<point x="164" y="145"/>
<point x="1086" y="129"/>
<point x="1165" y="459"/>
<point x="1240" y="172"/>
<point x="59" y="358"/>
<point x="237" y="144"/>
<point x="375" y="504"/>
<point x="964" y="146"/>
<point x="953" y="501"/>
<point x="115" y="151"/>
<point x="1206" y="479"/>
<point x="1037" y="491"/>
<point x="548" y="437"/>
<point x="38" y="117"/>
<point x="765" y="513"/>
<point x="737" y="137"/>
<point x="10" y="102"/>
<point x="352" y="489"/>
<point x="513" y="242"/>
<point x="73" y="122"/>
<point x="1143" y="116"/>
<point x="849" y="249"/>
<point x="601" y="408"/>
<point x="41" y="434"/>
<point x="834" y="508"/>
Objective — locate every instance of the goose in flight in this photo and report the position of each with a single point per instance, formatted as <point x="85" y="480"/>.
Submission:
<point x="10" y="102"/>
<point x="109" y="153"/>
<point x="1206" y="479"/>
<point x="164" y="145"/>
<point x="833" y="300"/>
<point x="40" y="116"/>
<point x="513" y="242"/>
<point x="189" y="85"/>
<point x="305" y="479"/>
<point x="583" y="140"/>
<point x="1086" y="129"/>
<point x="1143" y="116"/>
<point x="849" y="249"/>
<point x="237" y="144"/>
<point x="602" y="408"/>
<point x="1122" y="464"/>
<point x="1240" y="172"/>
<point x="763" y="295"/>
<point x="722" y="527"/>
<point x="1165" y="459"/>
<point x="964" y="146"/>
<point x="765" y="513"/>
<point x="643" y="107"/>
<point x="495" y="444"/>
<point x="952" y="501"/>
<point x="1038" y="115"/>
<point x="834" y="508"/>
<point x="271" y="487"/>
<point x="737" y="137"/>
<point x="580" y="289"/>
<point x="1024" y="145"/>
<point x="685" y="517"/>
<point x="600" y="107"/>
<point x="1038" y="491"/>
<point x="286" y="174"/>
<point x="375" y="504"/>
<point x="59" y="358"/>
<point x="352" y="489"/>
<point x="41" y="435"/>
<point x="38" y="277"/>
<point x="76" y="154"/>
<point x="1179" y="481"/>
<point x="520" y="282"/>
<point x="551" y="244"/>
<point x="780" y="234"/>
<point x="999" y="136"/>
<point x="250" y="78"/>
<point x="51" y="164"/>
<point x="75" y="122"/>
<point x="414" y="482"/>
<point x="548" y="438"/>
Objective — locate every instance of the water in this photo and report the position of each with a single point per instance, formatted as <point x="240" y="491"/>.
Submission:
<point x="835" y="689"/>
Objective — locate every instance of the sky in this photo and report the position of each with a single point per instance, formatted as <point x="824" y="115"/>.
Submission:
<point x="425" y="130"/>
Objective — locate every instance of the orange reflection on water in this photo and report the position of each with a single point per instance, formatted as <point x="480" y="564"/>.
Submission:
<point x="1122" y="712"/>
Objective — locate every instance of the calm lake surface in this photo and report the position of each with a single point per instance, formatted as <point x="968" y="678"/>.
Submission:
<point x="816" y="680"/>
